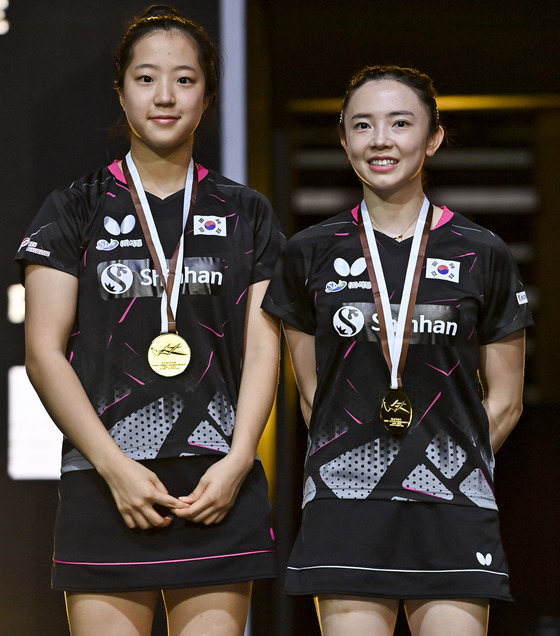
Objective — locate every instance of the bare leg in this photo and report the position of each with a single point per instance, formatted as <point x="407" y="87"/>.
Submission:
<point x="216" y="610"/>
<point x="122" y="614"/>
<point x="456" y="617"/>
<point x="356" y="616"/>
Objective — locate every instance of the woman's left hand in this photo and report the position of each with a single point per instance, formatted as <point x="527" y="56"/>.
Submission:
<point x="215" y="493"/>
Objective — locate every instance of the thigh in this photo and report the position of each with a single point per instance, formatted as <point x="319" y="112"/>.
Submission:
<point x="469" y="617"/>
<point x="356" y="616"/>
<point x="215" y="610"/>
<point x="114" y="614"/>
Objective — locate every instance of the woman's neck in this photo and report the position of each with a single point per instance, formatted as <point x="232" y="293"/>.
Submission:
<point x="394" y="214"/>
<point x="161" y="174"/>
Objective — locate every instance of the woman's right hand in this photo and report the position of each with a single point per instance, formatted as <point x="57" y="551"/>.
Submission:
<point x="136" y="490"/>
<point x="51" y="298"/>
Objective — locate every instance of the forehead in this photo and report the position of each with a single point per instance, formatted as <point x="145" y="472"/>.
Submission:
<point x="385" y="95"/>
<point x="173" y="45"/>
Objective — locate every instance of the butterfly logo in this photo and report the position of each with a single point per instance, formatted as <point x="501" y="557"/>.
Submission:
<point x="342" y="268"/>
<point x="115" y="229"/>
<point x="484" y="559"/>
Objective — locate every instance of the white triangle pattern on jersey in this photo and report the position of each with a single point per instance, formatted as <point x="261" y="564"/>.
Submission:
<point x="141" y="434"/>
<point x="475" y="485"/>
<point x="446" y="454"/>
<point x="206" y="434"/>
<point x="354" y="474"/>
<point x="423" y="480"/>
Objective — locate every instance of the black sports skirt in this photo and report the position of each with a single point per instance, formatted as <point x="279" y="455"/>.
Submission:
<point x="96" y="552"/>
<point x="394" y="549"/>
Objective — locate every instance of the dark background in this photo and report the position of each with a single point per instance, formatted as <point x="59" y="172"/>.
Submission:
<point x="57" y="110"/>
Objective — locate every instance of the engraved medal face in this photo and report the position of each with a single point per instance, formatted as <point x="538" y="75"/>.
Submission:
<point x="396" y="411"/>
<point x="169" y="354"/>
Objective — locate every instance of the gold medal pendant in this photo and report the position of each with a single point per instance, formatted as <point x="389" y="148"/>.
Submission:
<point x="169" y="354"/>
<point x="396" y="411"/>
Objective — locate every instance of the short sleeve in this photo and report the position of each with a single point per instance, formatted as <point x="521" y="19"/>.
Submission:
<point x="269" y="241"/>
<point x="505" y="304"/>
<point x="55" y="236"/>
<point x="288" y="296"/>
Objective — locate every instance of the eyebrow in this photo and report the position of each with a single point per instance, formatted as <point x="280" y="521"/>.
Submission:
<point x="147" y="65"/>
<point x="394" y="113"/>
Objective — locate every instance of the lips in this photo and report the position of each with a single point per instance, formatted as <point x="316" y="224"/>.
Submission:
<point x="164" y="119"/>
<point x="382" y="165"/>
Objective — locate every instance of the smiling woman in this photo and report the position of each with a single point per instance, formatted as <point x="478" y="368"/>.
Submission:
<point x="391" y="354"/>
<point x="146" y="343"/>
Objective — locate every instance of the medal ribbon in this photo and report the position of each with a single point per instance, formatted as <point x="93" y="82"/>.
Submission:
<point x="395" y="341"/>
<point x="172" y="280"/>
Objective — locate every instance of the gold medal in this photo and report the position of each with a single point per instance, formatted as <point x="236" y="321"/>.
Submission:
<point x="396" y="411"/>
<point x="169" y="354"/>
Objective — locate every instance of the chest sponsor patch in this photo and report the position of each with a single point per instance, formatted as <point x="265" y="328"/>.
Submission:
<point x="136" y="278"/>
<point x="210" y="225"/>
<point x="439" y="269"/>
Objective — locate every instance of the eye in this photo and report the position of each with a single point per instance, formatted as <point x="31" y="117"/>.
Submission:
<point x="361" y="125"/>
<point x="145" y="79"/>
<point x="401" y="124"/>
<point x="184" y="80"/>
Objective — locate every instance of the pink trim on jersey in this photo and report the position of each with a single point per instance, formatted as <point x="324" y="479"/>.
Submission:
<point x="218" y="556"/>
<point x="447" y="373"/>
<point x="331" y="440"/>
<point x="113" y="404"/>
<point x="429" y="408"/>
<point x="118" y="173"/>
<point x="445" y="217"/>
<point x="206" y="370"/>
<point x="349" y="349"/>
<point x="354" y="418"/>
<point x="219" y="335"/>
<point x="202" y="172"/>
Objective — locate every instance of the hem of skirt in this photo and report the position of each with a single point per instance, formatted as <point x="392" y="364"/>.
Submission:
<point x="453" y="586"/>
<point x="163" y="575"/>
<point x="502" y="598"/>
<point x="171" y="586"/>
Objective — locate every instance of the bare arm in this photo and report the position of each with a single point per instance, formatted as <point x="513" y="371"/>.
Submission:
<point x="51" y="299"/>
<point x="501" y="375"/>
<point x="216" y="492"/>
<point x="302" y="353"/>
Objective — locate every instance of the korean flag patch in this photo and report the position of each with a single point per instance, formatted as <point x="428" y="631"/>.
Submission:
<point x="210" y="225"/>
<point x="442" y="270"/>
<point x="522" y="298"/>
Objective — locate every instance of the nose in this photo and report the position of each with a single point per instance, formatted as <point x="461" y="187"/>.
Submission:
<point x="380" y="137"/>
<point x="165" y="95"/>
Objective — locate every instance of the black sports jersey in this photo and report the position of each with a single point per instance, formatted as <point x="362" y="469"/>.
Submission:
<point x="469" y="295"/>
<point x="91" y="231"/>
